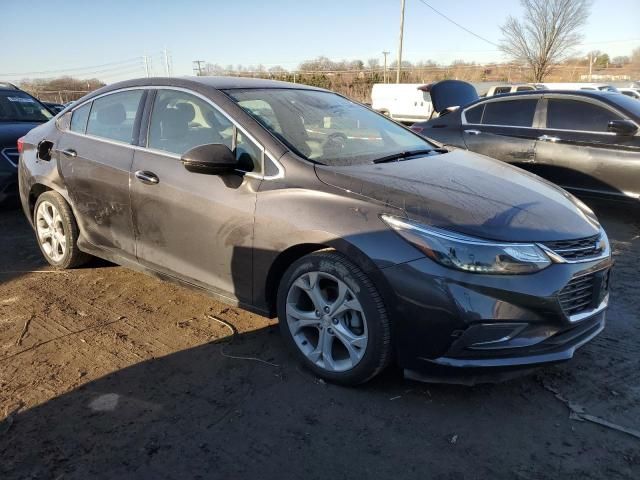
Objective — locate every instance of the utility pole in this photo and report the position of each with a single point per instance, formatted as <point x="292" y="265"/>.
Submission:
<point x="400" y="45"/>
<point x="197" y="67"/>
<point x="591" y="62"/>
<point x="147" y="67"/>
<point x="385" y="66"/>
<point x="166" y="62"/>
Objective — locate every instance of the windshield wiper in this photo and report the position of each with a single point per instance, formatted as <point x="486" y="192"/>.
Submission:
<point x="412" y="153"/>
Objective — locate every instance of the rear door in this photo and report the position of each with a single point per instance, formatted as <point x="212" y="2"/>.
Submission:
<point x="194" y="226"/>
<point x="95" y="156"/>
<point x="576" y="151"/>
<point x="502" y="128"/>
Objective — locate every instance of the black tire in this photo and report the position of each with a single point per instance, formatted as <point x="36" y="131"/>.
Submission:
<point x="378" y="351"/>
<point x="72" y="256"/>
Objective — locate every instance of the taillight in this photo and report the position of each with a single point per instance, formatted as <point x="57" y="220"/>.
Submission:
<point x="416" y="128"/>
<point x="20" y="144"/>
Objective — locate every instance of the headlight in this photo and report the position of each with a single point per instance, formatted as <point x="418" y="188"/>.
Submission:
<point x="470" y="254"/>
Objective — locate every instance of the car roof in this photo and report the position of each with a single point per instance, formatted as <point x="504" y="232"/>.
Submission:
<point x="214" y="82"/>
<point x="584" y="93"/>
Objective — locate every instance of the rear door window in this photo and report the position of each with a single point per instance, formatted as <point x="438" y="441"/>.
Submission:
<point x="113" y="116"/>
<point x="577" y="115"/>
<point x="79" y="118"/>
<point x="513" y="113"/>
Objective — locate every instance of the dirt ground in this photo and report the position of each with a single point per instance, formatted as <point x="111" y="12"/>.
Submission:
<point x="108" y="373"/>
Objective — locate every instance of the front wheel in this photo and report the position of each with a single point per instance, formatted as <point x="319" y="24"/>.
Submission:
<point x="333" y="318"/>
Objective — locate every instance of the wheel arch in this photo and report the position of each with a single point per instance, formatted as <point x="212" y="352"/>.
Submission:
<point x="35" y="191"/>
<point x="294" y="252"/>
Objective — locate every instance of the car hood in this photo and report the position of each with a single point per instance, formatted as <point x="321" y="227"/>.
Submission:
<point x="469" y="194"/>
<point x="10" y="132"/>
<point x="452" y="93"/>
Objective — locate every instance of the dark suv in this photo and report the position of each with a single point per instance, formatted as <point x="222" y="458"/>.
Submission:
<point x="367" y="241"/>
<point x="19" y="113"/>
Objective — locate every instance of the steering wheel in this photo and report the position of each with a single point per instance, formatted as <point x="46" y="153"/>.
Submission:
<point x="335" y="143"/>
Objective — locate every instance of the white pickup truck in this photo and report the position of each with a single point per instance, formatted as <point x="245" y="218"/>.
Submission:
<point x="404" y="102"/>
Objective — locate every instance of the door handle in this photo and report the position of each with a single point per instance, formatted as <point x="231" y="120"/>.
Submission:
<point x="70" y="152"/>
<point x="547" y="138"/>
<point x="473" y="132"/>
<point x="149" y="178"/>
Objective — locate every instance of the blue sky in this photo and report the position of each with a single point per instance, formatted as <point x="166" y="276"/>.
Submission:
<point x="78" y="36"/>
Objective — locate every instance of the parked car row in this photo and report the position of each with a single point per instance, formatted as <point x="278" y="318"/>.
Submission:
<point x="583" y="140"/>
<point x="372" y="244"/>
<point x="411" y="102"/>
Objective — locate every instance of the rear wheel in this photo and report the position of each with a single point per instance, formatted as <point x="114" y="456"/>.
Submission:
<point x="57" y="232"/>
<point x="333" y="318"/>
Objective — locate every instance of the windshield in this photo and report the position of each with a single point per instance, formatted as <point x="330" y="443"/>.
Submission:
<point x="630" y="104"/>
<point x="325" y="127"/>
<point x="19" y="107"/>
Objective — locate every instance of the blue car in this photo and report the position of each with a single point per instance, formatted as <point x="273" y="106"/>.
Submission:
<point x="19" y="113"/>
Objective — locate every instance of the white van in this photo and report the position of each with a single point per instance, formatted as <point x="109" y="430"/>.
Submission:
<point x="404" y="102"/>
<point x="603" y="87"/>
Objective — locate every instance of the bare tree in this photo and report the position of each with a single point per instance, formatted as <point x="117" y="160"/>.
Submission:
<point x="546" y="35"/>
<point x="373" y="63"/>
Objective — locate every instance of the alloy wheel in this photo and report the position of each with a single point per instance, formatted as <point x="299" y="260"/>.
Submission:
<point x="51" y="232"/>
<point x="326" y="321"/>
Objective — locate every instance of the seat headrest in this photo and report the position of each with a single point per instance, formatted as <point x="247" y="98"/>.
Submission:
<point x="186" y="112"/>
<point x="112" y="115"/>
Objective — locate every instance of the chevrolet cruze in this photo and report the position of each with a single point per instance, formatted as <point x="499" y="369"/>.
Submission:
<point x="370" y="244"/>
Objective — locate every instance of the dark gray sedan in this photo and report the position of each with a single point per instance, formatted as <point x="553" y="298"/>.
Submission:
<point x="368" y="242"/>
<point x="586" y="141"/>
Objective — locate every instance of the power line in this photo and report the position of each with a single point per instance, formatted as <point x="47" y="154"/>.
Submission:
<point x="458" y="25"/>
<point x="78" y="69"/>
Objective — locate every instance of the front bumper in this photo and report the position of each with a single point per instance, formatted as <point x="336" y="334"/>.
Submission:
<point x="446" y="320"/>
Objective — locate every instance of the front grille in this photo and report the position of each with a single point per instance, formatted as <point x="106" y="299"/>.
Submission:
<point x="584" y="293"/>
<point x="577" y="249"/>
<point x="10" y="155"/>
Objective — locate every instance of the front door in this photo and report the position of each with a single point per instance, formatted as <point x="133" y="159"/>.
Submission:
<point x="194" y="226"/>
<point x="576" y="151"/>
<point x="502" y="129"/>
<point x="95" y="156"/>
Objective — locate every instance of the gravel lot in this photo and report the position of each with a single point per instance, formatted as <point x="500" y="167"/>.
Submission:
<point x="108" y="373"/>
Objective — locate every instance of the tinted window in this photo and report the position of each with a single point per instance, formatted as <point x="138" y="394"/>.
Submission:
<point x="500" y="90"/>
<point x="577" y="115"/>
<point x="516" y="113"/>
<point x="524" y="89"/>
<point x="181" y="121"/>
<point x="474" y="115"/>
<point x="113" y="116"/>
<point x="79" y="118"/>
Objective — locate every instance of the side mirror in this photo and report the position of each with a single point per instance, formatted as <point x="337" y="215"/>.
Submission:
<point x="211" y="159"/>
<point x="622" y="127"/>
